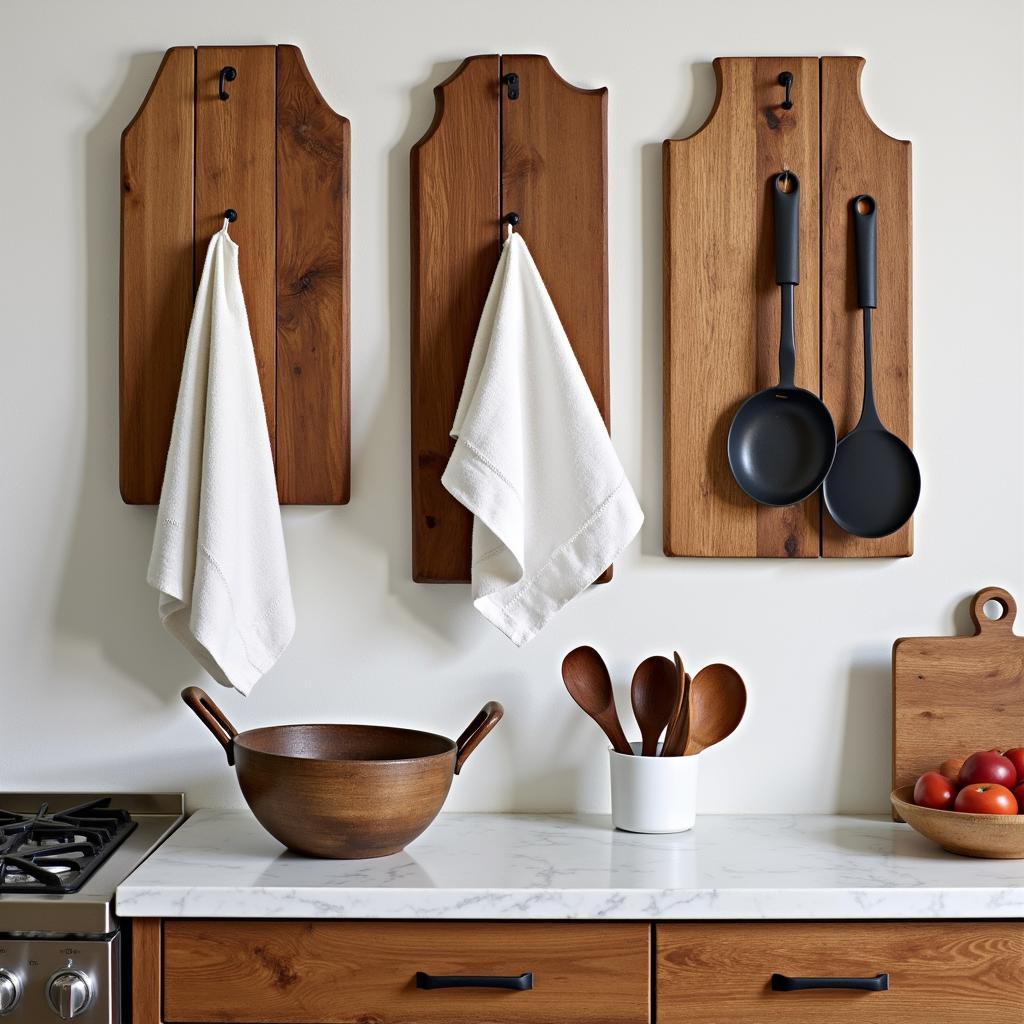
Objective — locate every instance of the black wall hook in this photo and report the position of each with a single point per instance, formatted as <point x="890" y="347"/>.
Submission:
<point x="512" y="219"/>
<point x="512" y="81"/>
<point x="227" y="74"/>
<point x="786" y="81"/>
<point x="232" y="215"/>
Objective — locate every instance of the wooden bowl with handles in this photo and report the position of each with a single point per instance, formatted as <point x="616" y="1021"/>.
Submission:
<point x="993" y="836"/>
<point x="343" y="791"/>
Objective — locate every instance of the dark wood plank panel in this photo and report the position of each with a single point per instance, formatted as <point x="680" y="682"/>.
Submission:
<point x="313" y="383"/>
<point x="857" y="157"/>
<point x="147" y="970"/>
<point x="555" y="176"/>
<point x="156" y="271"/>
<point x="235" y="168"/>
<point x="722" y="304"/>
<point x="455" y="221"/>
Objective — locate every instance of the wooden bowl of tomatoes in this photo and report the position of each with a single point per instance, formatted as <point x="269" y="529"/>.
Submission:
<point x="974" y="807"/>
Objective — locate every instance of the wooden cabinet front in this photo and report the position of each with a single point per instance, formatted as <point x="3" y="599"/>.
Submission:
<point x="344" y="972"/>
<point x="956" y="972"/>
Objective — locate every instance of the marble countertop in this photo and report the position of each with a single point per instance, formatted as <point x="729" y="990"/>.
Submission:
<point x="221" y="863"/>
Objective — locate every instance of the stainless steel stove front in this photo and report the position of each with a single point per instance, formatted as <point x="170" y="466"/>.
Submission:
<point x="43" y="980"/>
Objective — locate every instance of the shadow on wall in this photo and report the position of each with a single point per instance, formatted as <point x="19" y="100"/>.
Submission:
<point x="104" y="598"/>
<point x="651" y="222"/>
<point x="865" y="765"/>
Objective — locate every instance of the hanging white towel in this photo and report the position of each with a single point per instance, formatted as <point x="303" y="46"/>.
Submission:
<point x="533" y="460"/>
<point x="218" y="554"/>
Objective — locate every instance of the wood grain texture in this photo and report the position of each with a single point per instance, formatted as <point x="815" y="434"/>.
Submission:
<point x="722" y="302"/>
<point x="344" y="972"/>
<point x="235" y="168"/>
<point x="857" y="158"/>
<point x="544" y="156"/>
<point x="156" y="271"/>
<point x="955" y="695"/>
<point x="554" y="174"/>
<point x="957" y="972"/>
<point x="313" y="386"/>
<point x="147" y="970"/>
<point x="456" y="240"/>
<point x="342" y="791"/>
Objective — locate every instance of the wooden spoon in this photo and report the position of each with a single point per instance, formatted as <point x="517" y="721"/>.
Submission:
<point x="654" y="694"/>
<point x="718" y="699"/>
<point x="679" y="720"/>
<point x="586" y="678"/>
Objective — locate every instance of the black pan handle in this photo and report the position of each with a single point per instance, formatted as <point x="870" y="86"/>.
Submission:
<point x="787" y="228"/>
<point x="784" y="983"/>
<point x="514" y="982"/>
<point x="866" y="235"/>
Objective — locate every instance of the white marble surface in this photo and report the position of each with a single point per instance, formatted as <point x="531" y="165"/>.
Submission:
<point x="222" y="864"/>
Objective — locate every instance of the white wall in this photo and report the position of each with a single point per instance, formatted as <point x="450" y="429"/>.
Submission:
<point x="90" y="681"/>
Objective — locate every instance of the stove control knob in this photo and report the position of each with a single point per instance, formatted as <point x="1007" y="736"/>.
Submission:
<point x="10" y="991"/>
<point x="70" y="994"/>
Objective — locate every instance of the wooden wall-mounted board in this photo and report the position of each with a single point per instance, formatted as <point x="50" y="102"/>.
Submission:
<point x="952" y="696"/>
<point x="722" y="304"/>
<point x="544" y="156"/>
<point x="157" y="180"/>
<point x="856" y="157"/>
<point x="279" y="156"/>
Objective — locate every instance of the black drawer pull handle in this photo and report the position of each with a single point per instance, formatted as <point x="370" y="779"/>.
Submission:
<point x="517" y="983"/>
<point x="784" y="983"/>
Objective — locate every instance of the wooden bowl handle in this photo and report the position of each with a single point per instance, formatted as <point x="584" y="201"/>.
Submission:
<point x="213" y="718"/>
<point x="489" y="716"/>
<point x="981" y="621"/>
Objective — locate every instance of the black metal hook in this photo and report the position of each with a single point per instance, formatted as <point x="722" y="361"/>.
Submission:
<point x="512" y="219"/>
<point x="512" y="81"/>
<point x="786" y="81"/>
<point x="231" y="215"/>
<point x="227" y="74"/>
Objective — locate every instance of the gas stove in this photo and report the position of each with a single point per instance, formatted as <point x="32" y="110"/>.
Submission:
<point x="62" y="857"/>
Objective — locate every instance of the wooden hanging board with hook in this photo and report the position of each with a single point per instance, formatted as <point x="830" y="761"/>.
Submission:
<point x="721" y="301"/>
<point x="954" y="695"/>
<point x="544" y="155"/>
<point x="276" y="153"/>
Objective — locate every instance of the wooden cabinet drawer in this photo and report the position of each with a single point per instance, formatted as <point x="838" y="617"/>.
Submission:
<point x="335" y="972"/>
<point x="956" y="972"/>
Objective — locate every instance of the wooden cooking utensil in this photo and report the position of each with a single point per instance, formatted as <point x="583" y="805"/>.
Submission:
<point x="955" y="695"/>
<point x="718" y="699"/>
<point x="679" y="722"/>
<point x="655" y="696"/>
<point x="342" y="791"/>
<point x="586" y="678"/>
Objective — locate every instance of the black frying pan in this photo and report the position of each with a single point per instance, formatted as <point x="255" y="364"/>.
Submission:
<point x="873" y="486"/>
<point x="782" y="440"/>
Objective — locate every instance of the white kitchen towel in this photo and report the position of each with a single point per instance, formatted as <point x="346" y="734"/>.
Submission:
<point x="533" y="460"/>
<point x="218" y="554"/>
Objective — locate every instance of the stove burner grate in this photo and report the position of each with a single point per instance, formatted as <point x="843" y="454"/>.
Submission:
<point x="56" y="853"/>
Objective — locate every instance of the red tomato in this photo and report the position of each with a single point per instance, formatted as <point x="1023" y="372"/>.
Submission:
<point x="986" y="798"/>
<point x="1019" y="794"/>
<point x="934" y="790"/>
<point x="988" y="766"/>
<point x="1016" y="757"/>
<point x="951" y="769"/>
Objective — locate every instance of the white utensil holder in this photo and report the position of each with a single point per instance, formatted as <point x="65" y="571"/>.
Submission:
<point x="653" y="794"/>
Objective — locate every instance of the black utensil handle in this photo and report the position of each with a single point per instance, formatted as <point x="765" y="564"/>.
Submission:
<point x="866" y="235"/>
<point x="787" y="228"/>
<point x="514" y="982"/>
<point x="784" y="983"/>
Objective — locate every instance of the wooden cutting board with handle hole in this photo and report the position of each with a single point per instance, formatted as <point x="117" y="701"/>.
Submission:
<point x="954" y="695"/>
